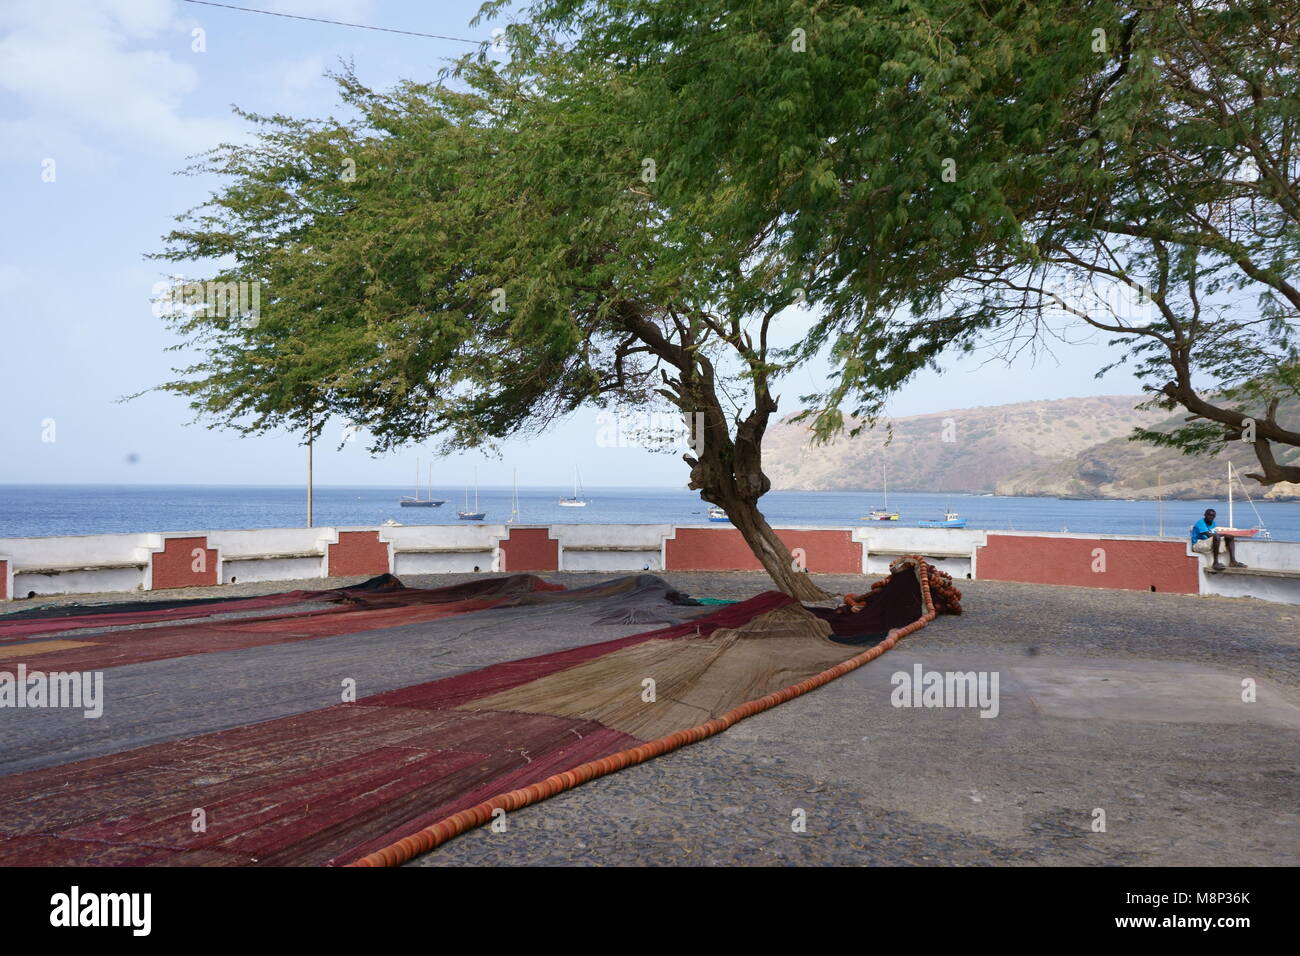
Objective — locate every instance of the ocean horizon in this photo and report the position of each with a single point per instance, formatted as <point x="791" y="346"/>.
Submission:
<point x="35" y="510"/>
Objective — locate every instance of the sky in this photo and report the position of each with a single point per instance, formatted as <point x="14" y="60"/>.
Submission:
<point x="101" y="104"/>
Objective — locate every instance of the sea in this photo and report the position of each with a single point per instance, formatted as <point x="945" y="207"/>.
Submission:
<point x="35" y="510"/>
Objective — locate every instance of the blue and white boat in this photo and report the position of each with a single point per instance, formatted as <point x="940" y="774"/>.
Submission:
<point x="950" y="520"/>
<point x="718" y="515"/>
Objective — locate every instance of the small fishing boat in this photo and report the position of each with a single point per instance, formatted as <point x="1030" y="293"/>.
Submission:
<point x="718" y="515"/>
<point x="417" y="502"/>
<point x="577" y="501"/>
<point x="950" y="520"/>
<point x="474" y="515"/>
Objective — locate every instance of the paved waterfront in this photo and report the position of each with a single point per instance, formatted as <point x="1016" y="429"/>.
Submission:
<point x="1125" y="702"/>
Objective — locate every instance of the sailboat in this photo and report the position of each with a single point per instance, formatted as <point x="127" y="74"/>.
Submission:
<point x="514" y="501"/>
<point x="882" y="514"/>
<point x="474" y="515"/>
<point x="577" y="501"/>
<point x="1236" y="532"/>
<point x="417" y="502"/>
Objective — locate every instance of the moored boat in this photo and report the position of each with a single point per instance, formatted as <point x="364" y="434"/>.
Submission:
<point x="416" y="501"/>
<point x="950" y="520"/>
<point x="474" y="515"/>
<point x="577" y="501"/>
<point x="882" y="513"/>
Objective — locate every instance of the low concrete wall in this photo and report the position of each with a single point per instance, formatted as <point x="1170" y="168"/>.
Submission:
<point x="77" y="564"/>
<point x="1258" y="555"/>
<point x="126" y="562"/>
<point x="184" y="561"/>
<point x="28" y="583"/>
<point x="948" y="549"/>
<point x="528" y="549"/>
<point x="721" y="548"/>
<point x="1123" y="562"/>
<point x="443" y="549"/>
<point x="612" y="547"/>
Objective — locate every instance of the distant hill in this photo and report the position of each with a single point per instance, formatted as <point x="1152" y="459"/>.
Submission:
<point x="1125" y="469"/>
<point x="1072" y="447"/>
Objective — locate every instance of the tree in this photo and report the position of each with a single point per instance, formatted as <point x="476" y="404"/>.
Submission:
<point x="473" y="263"/>
<point x="940" y="175"/>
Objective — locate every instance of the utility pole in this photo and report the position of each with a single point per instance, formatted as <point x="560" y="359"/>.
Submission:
<point x="309" y="470"/>
<point x="1160" y="504"/>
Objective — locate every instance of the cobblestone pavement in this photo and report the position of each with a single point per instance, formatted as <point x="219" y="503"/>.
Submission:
<point x="1127" y="703"/>
<point x="880" y="785"/>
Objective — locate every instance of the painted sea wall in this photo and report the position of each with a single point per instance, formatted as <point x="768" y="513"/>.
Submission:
<point x="81" y="564"/>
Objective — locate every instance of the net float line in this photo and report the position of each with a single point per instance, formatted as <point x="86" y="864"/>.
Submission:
<point x="436" y="834"/>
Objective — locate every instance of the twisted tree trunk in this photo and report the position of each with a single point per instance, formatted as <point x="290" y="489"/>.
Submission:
<point x="726" y="472"/>
<point x="769" y="549"/>
<point x="729" y="474"/>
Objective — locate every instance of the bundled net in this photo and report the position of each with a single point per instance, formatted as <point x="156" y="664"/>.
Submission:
<point x="947" y="598"/>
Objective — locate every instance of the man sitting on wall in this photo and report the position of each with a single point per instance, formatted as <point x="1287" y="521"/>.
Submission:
<point x="1205" y="540"/>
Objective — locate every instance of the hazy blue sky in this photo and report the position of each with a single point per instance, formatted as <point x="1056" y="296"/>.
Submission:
<point x="114" y="94"/>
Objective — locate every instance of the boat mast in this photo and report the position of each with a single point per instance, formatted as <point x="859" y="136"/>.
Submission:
<point x="1230" y="524"/>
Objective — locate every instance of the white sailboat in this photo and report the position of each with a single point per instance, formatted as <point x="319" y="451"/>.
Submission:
<point x="514" y="501"/>
<point x="474" y="515"/>
<point x="1231" y="528"/>
<point x="577" y="501"/>
<point x="883" y="513"/>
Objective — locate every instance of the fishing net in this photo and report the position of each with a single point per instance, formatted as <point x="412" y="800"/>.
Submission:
<point x="462" y="725"/>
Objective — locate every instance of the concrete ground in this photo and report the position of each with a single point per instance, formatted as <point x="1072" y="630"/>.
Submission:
<point x="1115" y="708"/>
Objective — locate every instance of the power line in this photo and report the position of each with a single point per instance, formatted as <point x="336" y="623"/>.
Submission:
<point x="337" y="23"/>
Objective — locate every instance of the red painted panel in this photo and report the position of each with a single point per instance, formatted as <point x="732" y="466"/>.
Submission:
<point x="530" y="549"/>
<point x="179" y="566"/>
<point x="724" y="549"/>
<point x="1090" y="563"/>
<point x="4" y="580"/>
<point x="358" y="552"/>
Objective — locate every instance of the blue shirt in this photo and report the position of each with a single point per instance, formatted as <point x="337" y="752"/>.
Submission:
<point x="1201" y="530"/>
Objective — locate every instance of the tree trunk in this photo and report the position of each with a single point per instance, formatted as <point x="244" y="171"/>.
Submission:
<point x="726" y="472"/>
<point x="771" y="550"/>
<point x="729" y="474"/>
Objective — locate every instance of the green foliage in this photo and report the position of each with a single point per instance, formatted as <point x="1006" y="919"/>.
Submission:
<point x="443" y="265"/>
<point x="1096" y="145"/>
<point x="928" y="174"/>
